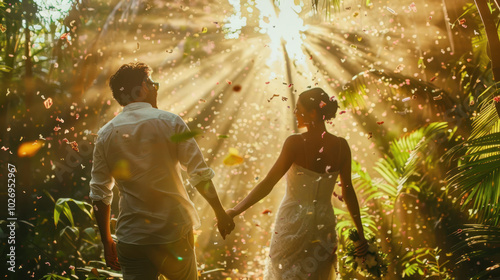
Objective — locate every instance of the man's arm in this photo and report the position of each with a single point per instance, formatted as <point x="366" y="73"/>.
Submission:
<point x="101" y="185"/>
<point x="200" y="176"/>
<point x="224" y="222"/>
<point x="102" y="212"/>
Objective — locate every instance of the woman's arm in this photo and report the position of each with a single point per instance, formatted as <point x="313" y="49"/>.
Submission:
<point x="283" y="163"/>
<point x="350" y="196"/>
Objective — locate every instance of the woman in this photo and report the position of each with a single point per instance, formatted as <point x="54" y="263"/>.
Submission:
<point x="304" y="240"/>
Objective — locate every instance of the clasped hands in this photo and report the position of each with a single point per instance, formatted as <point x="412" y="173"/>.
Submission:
<point x="225" y="224"/>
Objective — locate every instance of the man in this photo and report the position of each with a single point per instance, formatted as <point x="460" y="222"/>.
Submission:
<point x="156" y="218"/>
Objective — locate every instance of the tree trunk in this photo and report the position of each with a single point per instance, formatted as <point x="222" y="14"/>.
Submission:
<point x="493" y="41"/>
<point x="28" y="74"/>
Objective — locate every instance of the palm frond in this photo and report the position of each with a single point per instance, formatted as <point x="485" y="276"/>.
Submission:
<point x="365" y="185"/>
<point x="477" y="177"/>
<point x="352" y="94"/>
<point x="478" y="242"/>
<point x="487" y="119"/>
<point x="345" y="222"/>
<point x="404" y="160"/>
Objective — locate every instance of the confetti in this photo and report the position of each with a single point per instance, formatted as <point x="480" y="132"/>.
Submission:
<point x="237" y="88"/>
<point x="48" y="103"/>
<point x="413" y="7"/>
<point x="29" y="149"/>
<point x="496" y="98"/>
<point x="391" y="11"/>
<point x="274" y="95"/>
<point x="267" y="211"/>
<point x="121" y="170"/>
<point x="379" y="123"/>
<point x="438" y="97"/>
<point x="204" y="30"/>
<point x="74" y="146"/>
<point x="233" y="158"/>
<point x="64" y="36"/>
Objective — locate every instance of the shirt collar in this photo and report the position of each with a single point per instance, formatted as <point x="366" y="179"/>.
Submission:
<point x="136" y="105"/>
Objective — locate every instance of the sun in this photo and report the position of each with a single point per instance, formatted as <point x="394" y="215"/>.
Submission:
<point x="280" y="22"/>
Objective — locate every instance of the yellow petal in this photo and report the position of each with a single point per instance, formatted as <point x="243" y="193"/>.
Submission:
<point x="29" y="149"/>
<point x="232" y="159"/>
<point x="233" y="151"/>
<point x="121" y="170"/>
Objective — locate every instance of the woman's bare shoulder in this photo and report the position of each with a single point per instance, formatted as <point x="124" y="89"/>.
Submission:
<point x="294" y="140"/>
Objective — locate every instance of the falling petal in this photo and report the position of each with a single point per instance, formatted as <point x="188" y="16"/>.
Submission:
<point x="29" y="149"/>
<point x="48" y="103"/>
<point x="121" y="170"/>
<point x="233" y="158"/>
<point x="267" y="211"/>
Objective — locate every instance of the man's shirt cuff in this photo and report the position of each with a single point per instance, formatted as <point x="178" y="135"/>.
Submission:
<point x="200" y="176"/>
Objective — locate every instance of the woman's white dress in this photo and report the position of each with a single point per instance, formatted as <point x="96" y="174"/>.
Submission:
<point x="304" y="240"/>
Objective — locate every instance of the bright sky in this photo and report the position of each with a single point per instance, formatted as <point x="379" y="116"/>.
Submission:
<point x="53" y="9"/>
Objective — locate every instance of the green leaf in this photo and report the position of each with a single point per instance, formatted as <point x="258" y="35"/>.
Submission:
<point x="81" y="204"/>
<point x="5" y="68"/>
<point x="101" y="271"/>
<point x="57" y="213"/>
<point x="181" y="137"/>
<point x="67" y="212"/>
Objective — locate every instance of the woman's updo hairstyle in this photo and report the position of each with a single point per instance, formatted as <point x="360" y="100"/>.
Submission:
<point x="317" y="99"/>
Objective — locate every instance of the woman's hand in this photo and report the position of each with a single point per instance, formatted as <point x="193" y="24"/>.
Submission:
<point x="231" y="212"/>
<point x="361" y="247"/>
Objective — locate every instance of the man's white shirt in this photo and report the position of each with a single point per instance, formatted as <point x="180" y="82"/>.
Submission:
<point x="134" y="151"/>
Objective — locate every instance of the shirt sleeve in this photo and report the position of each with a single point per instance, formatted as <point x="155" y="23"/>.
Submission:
<point x="191" y="158"/>
<point x="101" y="183"/>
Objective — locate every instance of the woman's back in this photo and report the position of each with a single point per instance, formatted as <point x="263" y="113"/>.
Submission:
<point x="319" y="152"/>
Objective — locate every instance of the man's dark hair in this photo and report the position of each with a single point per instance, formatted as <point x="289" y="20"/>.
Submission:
<point x="126" y="83"/>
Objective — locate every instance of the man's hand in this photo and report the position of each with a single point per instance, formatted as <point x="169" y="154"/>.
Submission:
<point x="225" y="224"/>
<point x="110" y="255"/>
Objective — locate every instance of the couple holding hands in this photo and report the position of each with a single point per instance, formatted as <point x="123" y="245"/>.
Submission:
<point x="156" y="217"/>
